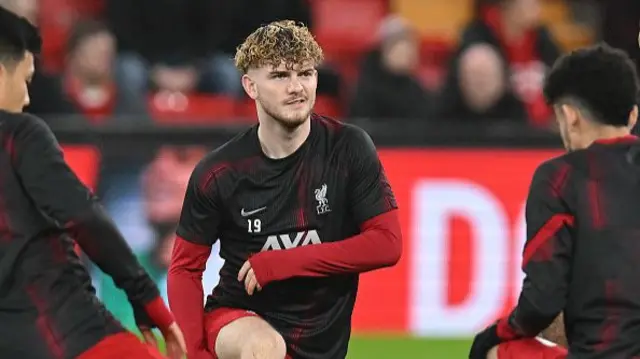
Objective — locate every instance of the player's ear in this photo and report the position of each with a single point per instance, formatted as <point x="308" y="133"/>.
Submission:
<point x="633" y="117"/>
<point x="571" y="116"/>
<point x="4" y="71"/>
<point x="249" y="86"/>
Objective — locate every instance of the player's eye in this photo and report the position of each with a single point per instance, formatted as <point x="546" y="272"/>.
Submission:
<point x="279" y="75"/>
<point x="307" y="73"/>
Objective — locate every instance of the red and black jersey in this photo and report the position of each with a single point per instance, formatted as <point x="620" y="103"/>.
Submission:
<point x="322" y="212"/>
<point x="48" y="308"/>
<point x="582" y="251"/>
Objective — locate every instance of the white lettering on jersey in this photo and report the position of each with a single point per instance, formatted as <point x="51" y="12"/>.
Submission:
<point x="284" y="241"/>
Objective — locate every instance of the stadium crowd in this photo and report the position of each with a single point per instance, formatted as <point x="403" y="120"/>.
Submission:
<point x="115" y="57"/>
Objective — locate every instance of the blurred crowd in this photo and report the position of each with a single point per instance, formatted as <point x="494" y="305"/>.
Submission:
<point x="172" y="60"/>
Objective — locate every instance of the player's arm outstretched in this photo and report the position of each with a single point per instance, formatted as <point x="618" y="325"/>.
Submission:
<point x="40" y="166"/>
<point x="372" y="204"/>
<point x="546" y="262"/>
<point x="197" y="232"/>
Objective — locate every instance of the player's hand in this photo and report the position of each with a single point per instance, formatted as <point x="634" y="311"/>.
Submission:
<point x="174" y="340"/>
<point x="247" y="275"/>
<point x="483" y="342"/>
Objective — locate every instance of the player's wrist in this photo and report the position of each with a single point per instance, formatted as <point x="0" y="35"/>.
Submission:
<point x="484" y="341"/>
<point x="504" y="330"/>
<point x="262" y="269"/>
<point x="159" y="313"/>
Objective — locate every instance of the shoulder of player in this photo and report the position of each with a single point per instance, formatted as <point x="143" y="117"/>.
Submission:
<point x="224" y="157"/>
<point x="355" y="137"/>
<point x="21" y="122"/>
<point x="556" y="169"/>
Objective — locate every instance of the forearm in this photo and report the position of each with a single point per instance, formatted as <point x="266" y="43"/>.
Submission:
<point x="100" y="239"/>
<point x="378" y="246"/>
<point x="185" y="299"/>
<point x="527" y="319"/>
<point x="184" y="285"/>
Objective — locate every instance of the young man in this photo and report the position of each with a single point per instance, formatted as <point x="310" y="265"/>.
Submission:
<point x="301" y="206"/>
<point x="48" y="309"/>
<point x="581" y="255"/>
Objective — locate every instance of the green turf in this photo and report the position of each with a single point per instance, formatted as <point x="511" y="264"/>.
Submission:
<point x="387" y="347"/>
<point x="390" y="347"/>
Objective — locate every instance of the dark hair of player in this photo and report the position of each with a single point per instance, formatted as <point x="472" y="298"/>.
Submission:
<point x="17" y="37"/>
<point x="600" y="80"/>
<point x="278" y="42"/>
<point x="82" y="30"/>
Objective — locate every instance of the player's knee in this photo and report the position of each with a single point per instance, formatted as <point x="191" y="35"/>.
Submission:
<point x="265" y="345"/>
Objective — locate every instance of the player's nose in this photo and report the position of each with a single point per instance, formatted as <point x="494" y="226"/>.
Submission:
<point x="294" y="85"/>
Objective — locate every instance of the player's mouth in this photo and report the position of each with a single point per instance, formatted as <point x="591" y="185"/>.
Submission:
<point x="296" y="102"/>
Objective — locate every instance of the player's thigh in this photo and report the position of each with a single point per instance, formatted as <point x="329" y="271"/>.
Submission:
<point x="533" y="348"/>
<point x="230" y="332"/>
<point x="121" y="346"/>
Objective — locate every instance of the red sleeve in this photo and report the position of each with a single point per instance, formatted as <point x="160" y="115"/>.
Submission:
<point x="378" y="245"/>
<point x="184" y="286"/>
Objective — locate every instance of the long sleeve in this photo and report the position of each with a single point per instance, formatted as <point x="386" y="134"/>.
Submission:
<point x="373" y="206"/>
<point x="197" y="231"/>
<point x="184" y="286"/>
<point x="546" y="257"/>
<point x="379" y="245"/>
<point x="57" y="192"/>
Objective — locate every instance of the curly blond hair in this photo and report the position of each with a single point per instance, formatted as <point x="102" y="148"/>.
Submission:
<point x="279" y="42"/>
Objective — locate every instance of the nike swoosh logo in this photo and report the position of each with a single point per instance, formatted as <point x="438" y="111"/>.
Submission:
<point x="244" y="213"/>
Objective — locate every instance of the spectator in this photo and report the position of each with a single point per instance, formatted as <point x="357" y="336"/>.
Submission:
<point x="166" y="44"/>
<point x="498" y="70"/>
<point x="387" y="86"/>
<point x="86" y="86"/>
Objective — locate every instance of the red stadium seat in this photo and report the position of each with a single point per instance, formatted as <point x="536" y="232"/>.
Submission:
<point x="434" y="55"/>
<point x="347" y="27"/>
<point x="435" y="50"/>
<point x="178" y="108"/>
<point x="56" y="19"/>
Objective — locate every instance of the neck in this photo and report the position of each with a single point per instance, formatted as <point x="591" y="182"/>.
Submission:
<point x="278" y="141"/>
<point x="606" y="133"/>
